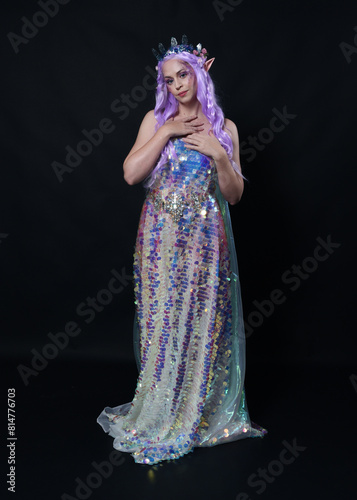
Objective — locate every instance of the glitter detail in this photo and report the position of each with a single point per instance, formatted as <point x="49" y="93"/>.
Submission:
<point x="190" y="388"/>
<point x="176" y="202"/>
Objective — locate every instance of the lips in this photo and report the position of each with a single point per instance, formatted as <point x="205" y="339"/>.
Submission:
<point x="181" y="94"/>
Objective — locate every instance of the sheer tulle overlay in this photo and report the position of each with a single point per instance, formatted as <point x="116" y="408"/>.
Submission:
<point x="189" y="339"/>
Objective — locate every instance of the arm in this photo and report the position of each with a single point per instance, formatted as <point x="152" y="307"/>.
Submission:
<point x="230" y="182"/>
<point x="146" y="150"/>
<point x="149" y="144"/>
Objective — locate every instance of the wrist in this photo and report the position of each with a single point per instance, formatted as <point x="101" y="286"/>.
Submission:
<point x="164" y="132"/>
<point x="220" y="154"/>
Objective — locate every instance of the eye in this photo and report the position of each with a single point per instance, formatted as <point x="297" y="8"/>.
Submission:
<point x="168" y="82"/>
<point x="182" y="75"/>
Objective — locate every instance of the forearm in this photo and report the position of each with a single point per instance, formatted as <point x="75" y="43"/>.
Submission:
<point x="138" y="165"/>
<point x="230" y="183"/>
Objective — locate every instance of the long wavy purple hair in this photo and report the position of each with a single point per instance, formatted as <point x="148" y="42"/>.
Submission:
<point x="167" y="106"/>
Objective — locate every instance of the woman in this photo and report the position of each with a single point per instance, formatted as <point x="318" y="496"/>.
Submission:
<point x="188" y="330"/>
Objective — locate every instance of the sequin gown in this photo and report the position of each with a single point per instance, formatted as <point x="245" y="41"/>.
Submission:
<point x="189" y="337"/>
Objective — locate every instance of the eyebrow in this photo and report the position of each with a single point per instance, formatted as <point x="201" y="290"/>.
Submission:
<point x="177" y="72"/>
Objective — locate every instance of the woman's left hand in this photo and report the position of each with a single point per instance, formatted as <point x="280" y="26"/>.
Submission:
<point x="207" y="144"/>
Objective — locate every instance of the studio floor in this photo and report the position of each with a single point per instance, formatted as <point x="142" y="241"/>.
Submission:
<point x="308" y="453"/>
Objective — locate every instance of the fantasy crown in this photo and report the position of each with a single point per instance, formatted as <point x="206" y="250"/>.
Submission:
<point x="175" y="48"/>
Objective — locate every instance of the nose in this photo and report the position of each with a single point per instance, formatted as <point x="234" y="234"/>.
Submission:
<point x="178" y="84"/>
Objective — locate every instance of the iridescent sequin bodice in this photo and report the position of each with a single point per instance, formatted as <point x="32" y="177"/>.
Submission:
<point x="184" y="183"/>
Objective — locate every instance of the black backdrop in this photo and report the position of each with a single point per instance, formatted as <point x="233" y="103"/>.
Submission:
<point x="64" y="231"/>
<point x="69" y="220"/>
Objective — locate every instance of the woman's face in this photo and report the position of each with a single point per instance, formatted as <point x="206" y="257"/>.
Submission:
<point x="180" y="80"/>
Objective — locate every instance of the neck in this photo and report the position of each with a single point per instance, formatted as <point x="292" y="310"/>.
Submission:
<point x="191" y="108"/>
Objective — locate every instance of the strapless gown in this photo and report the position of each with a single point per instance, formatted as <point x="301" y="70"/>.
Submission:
<point x="189" y="339"/>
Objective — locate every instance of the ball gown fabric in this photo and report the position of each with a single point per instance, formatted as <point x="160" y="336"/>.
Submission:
<point x="189" y="339"/>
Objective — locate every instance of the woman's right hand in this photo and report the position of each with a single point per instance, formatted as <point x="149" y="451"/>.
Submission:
<point x="183" y="126"/>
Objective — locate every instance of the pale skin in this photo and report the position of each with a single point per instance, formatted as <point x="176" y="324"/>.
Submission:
<point x="192" y="126"/>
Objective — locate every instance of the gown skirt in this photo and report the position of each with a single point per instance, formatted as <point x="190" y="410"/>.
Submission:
<point x="189" y="338"/>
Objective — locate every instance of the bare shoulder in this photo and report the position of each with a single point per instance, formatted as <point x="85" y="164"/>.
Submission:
<point x="231" y="128"/>
<point x="147" y="127"/>
<point x="149" y="121"/>
<point x="150" y="115"/>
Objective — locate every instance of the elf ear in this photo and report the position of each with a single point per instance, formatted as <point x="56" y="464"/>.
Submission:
<point x="208" y="64"/>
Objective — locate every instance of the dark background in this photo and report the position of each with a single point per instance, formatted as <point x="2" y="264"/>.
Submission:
<point x="60" y="241"/>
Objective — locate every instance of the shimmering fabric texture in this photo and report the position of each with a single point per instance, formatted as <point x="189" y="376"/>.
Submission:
<point x="189" y="337"/>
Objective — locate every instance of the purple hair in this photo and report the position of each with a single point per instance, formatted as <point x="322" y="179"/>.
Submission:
<point x="166" y="107"/>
